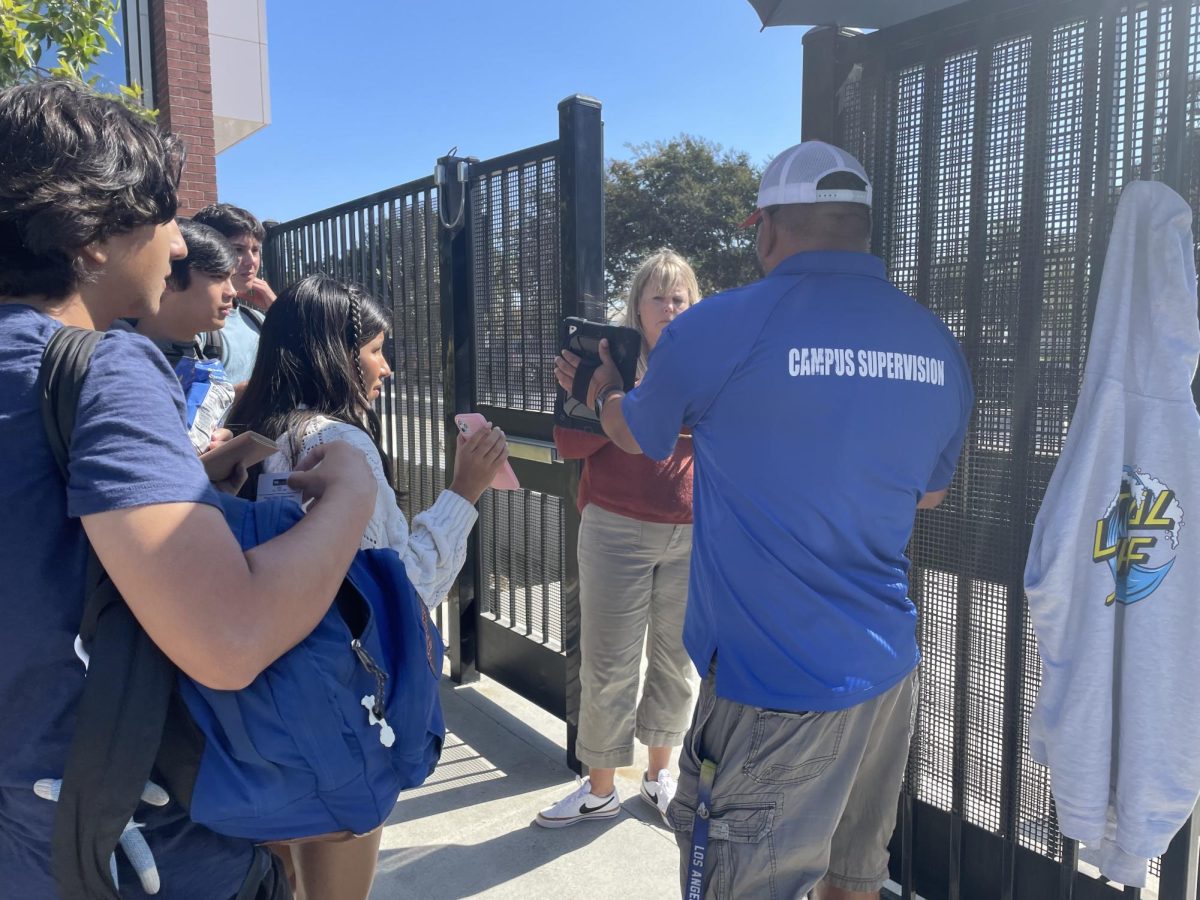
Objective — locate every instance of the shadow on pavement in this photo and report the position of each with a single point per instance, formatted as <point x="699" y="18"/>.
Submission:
<point x="446" y="871"/>
<point x="489" y="755"/>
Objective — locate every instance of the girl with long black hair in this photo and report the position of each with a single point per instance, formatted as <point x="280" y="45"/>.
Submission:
<point x="320" y="367"/>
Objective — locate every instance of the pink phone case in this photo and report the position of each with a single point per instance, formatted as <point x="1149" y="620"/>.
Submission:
<point x="468" y="424"/>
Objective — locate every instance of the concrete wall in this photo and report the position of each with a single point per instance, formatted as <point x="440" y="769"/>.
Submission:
<point x="241" y="93"/>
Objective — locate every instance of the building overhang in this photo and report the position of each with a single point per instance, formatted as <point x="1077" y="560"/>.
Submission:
<point x="855" y="13"/>
<point x="241" y="95"/>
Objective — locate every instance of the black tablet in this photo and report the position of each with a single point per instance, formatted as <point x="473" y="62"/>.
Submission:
<point x="582" y="337"/>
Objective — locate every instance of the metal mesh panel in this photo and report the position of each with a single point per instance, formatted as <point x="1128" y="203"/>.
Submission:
<point x="947" y="189"/>
<point x="524" y="557"/>
<point x="904" y="195"/>
<point x="1159" y="61"/>
<point x="1140" y="92"/>
<point x="954" y="190"/>
<point x="988" y="497"/>
<point x="517" y="279"/>
<point x="1037" y="824"/>
<point x="985" y="690"/>
<point x="933" y="756"/>
<point x="1063" y="338"/>
<point x="1070" y="113"/>
<point x="1129" y="95"/>
<point x="518" y="294"/>
<point x="997" y="167"/>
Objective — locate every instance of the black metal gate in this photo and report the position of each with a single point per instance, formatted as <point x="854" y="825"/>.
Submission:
<point x="998" y="135"/>
<point x="479" y="264"/>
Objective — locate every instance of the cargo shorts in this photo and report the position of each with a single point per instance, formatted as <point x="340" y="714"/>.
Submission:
<point x="798" y="796"/>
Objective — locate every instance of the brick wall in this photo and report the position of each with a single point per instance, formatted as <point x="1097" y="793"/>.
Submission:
<point x="183" y="92"/>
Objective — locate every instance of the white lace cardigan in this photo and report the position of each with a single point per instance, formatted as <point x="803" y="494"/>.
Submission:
<point x="434" y="549"/>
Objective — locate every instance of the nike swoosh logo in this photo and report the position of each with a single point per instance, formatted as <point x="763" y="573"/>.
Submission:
<point x="584" y="809"/>
<point x="653" y="797"/>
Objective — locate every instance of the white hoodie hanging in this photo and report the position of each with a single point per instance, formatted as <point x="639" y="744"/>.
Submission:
<point x="1113" y="575"/>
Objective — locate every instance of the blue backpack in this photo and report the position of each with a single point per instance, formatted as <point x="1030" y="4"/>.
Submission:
<point x="330" y="733"/>
<point x="321" y="742"/>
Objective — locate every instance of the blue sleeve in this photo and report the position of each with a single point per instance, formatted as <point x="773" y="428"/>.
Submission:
<point x="680" y="384"/>
<point x="130" y="447"/>
<point x="943" y="472"/>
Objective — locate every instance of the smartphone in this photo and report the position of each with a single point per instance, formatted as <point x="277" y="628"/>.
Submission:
<point x="249" y="448"/>
<point x="468" y="424"/>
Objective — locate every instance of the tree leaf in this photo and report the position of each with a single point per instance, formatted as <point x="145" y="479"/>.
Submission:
<point x="687" y="193"/>
<point x="77" y="30"/>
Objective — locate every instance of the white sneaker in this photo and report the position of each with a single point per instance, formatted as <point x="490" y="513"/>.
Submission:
<point x="659" y="793"/>
<point x="579" y="805"/>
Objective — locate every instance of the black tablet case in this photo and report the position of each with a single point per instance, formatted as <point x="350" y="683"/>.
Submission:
<point x="582" y="337"/>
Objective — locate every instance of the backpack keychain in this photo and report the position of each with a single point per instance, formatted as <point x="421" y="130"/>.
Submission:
<point x="387" y="737"/>
<point x="374" y="707"/>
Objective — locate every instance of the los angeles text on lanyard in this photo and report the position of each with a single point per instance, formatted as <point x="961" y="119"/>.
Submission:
<point x="699" y="854"/>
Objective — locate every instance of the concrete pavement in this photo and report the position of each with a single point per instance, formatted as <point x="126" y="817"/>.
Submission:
<point x="469" y="832"/>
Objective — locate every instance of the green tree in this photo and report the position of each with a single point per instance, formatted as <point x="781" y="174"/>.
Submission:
<point x="688" y="194"/>
<point x="61" y="38"/>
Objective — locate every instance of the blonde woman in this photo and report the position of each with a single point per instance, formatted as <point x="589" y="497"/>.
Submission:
<point x="635" y="541"/>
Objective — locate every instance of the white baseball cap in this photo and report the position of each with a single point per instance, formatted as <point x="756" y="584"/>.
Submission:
<point x="793" y="176"/>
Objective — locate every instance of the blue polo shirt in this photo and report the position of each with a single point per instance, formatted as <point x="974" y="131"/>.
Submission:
<point x="823" y="404"/>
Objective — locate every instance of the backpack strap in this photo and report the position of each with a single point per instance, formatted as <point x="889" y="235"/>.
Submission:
<point x="119" y="723"/>
<point x="210" y="345"/>
<point x="60" y="379"/>
<point x="255" y="315"/>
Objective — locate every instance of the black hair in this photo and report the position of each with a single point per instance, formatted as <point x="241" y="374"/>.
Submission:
<point x="75" y="167"/>
<point x="307" y="362"/>
<point x="232" y="221"/>
<point x="209" y="252"/>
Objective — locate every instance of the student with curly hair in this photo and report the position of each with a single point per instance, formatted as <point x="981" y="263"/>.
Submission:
<point x="239" y="339"/>
<point x="87" y="235"/>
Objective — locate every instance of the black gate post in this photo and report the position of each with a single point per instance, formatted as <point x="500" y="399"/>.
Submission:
<point x="827" y="63"/>
<point x="1181" y="865"/>
<point x="581" y="180"/>
<point x="272" y="256"/>
<point x="458" y="363"/>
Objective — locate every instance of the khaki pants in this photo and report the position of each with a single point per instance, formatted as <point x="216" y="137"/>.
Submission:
<point x="798" y="796"/>
<point x="632" y="577"/>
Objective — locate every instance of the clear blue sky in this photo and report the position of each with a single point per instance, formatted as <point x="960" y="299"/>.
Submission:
<point x="366" y="94"/>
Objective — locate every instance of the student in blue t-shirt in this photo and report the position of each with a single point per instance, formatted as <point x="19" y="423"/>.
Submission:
<point x="87" y="235"/>
<point x="826" y="408"/>
<point x="239" y="340"/>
